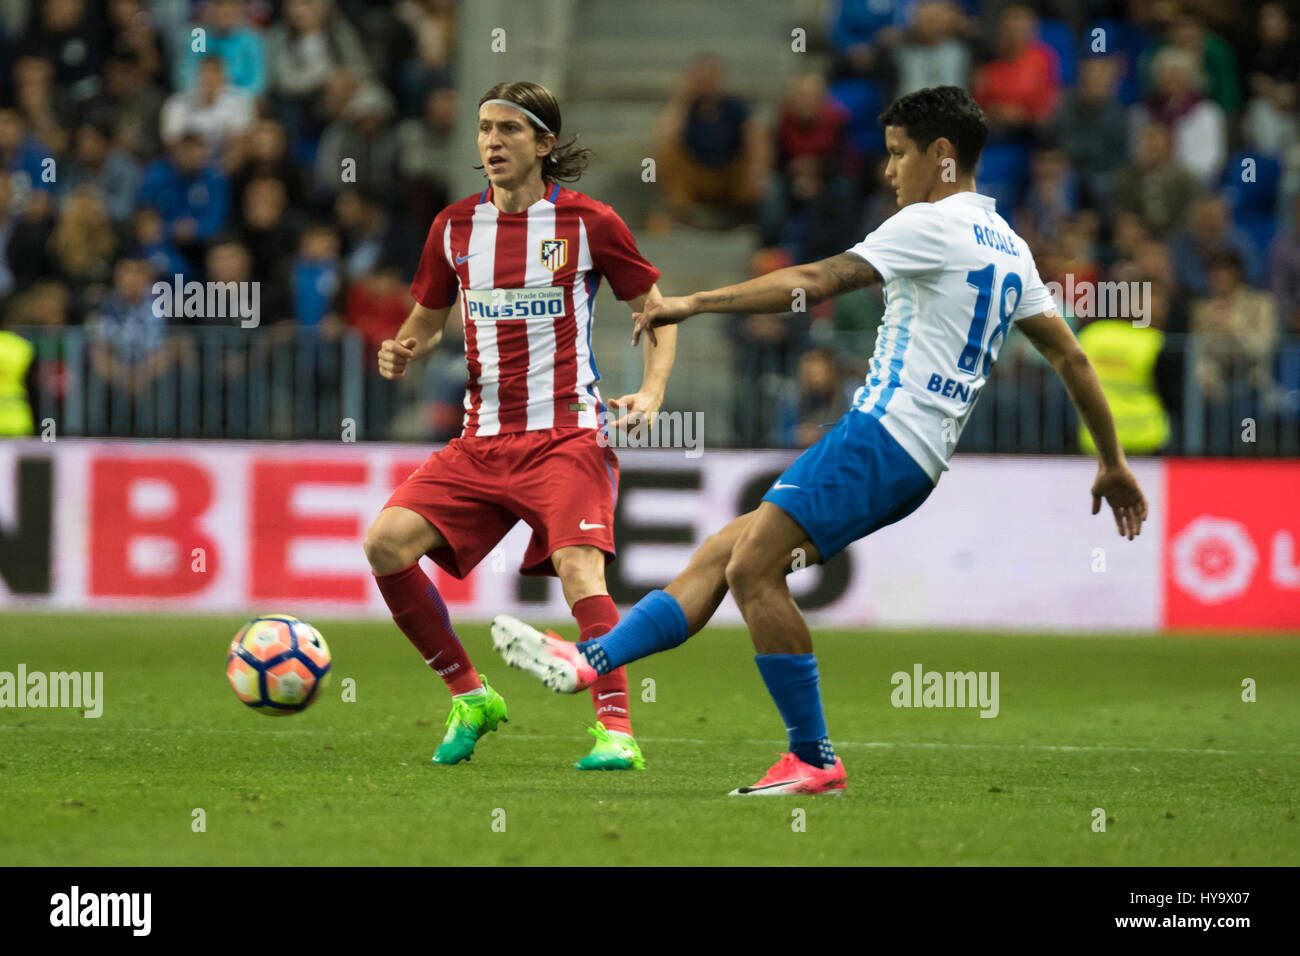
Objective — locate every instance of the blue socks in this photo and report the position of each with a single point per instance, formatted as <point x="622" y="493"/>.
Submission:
<point x="656" y="623"/>
<point x="791" y="679"/>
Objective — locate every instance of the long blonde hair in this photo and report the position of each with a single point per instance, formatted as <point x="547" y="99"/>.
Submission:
<point x="83" y="234"/>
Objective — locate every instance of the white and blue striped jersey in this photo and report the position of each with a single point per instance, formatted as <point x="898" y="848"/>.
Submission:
<point x="956" y="276"/>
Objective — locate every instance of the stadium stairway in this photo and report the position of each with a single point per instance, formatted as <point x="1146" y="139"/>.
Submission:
<point x="623" y="62"/>
<point x="690" y="259"/>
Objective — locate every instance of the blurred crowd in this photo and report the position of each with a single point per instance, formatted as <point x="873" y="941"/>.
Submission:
<point x="303" y="144"/>
<point x="1152" y="142"/>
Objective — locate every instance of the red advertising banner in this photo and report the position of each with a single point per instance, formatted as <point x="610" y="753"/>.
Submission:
<point x="1232" y="554"/>
<point x="240" y="527"/>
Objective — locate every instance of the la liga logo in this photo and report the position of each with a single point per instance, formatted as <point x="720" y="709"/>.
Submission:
<point x="1216" y="559"/>
<point x="1231" y="559"/>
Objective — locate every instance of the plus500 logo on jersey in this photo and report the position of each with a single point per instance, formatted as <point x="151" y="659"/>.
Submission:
<point x="489" y="304"/>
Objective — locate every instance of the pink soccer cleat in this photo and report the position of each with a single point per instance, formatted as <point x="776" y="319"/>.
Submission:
<point x="554" y="661"/>
<point x="790" y="776"/>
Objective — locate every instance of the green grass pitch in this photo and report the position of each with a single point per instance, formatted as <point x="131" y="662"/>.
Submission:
<point x="1153" y="731"/>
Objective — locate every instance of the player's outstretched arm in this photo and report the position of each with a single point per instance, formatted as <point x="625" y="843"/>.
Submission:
<point x="775" y="292"/>
<point x="1115" y="482"/>
<point x="419" y="335"/>
<point x="658" y="365"/>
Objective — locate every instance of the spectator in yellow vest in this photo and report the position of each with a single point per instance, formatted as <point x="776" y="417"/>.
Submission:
<point x="16" y="366"/>
<point x="1125" y="356"/>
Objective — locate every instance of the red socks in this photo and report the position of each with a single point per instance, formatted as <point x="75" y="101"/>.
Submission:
<point x="595" y="616"/>
<point x="419" y="611"/>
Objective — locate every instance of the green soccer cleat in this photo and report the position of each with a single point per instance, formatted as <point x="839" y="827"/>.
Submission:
<point x="472" y="716"/>
<point x="612" y="751"/>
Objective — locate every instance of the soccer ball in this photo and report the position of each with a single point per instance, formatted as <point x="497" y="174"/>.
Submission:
<point x="277" y="664"/>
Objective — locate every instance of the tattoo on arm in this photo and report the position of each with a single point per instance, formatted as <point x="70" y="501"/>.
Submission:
<point x="716" y="300"/>
<point x="846" y="272"/>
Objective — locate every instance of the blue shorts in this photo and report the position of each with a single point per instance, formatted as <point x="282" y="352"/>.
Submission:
<point x="856" y="479"/>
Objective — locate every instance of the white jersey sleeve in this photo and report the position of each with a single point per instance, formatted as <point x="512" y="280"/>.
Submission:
<point x="911" y="242"/>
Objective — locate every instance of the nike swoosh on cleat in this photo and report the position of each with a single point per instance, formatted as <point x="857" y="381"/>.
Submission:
<point x="770" y="786"/>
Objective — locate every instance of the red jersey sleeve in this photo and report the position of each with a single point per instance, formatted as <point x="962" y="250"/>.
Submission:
<point x="615" y="255"/>
<point x="435" y="283"/>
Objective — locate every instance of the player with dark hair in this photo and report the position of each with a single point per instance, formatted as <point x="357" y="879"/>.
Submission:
<point x="524" y="259"/>
<point x="956" y="277"/>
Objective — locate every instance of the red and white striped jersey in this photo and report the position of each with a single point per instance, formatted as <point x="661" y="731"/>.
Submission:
<point x="527" y="283"/>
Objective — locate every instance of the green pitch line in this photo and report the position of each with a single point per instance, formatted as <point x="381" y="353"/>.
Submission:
<point x="1153" y="732"/>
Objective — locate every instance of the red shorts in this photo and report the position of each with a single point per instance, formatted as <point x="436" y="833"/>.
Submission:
<point x="559" y="480"/>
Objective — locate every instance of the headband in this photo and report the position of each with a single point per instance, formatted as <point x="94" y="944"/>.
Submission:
<point x="532" y="116"/>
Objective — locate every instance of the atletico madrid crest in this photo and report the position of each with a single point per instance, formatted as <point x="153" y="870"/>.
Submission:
<point x="555" y="253"/>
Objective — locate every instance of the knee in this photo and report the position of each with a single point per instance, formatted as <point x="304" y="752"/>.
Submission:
<point x="581" y="571"/>
<point x="385" y="549"/>
<point x="746" y="569"/>
<point x="715" y="552"/>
